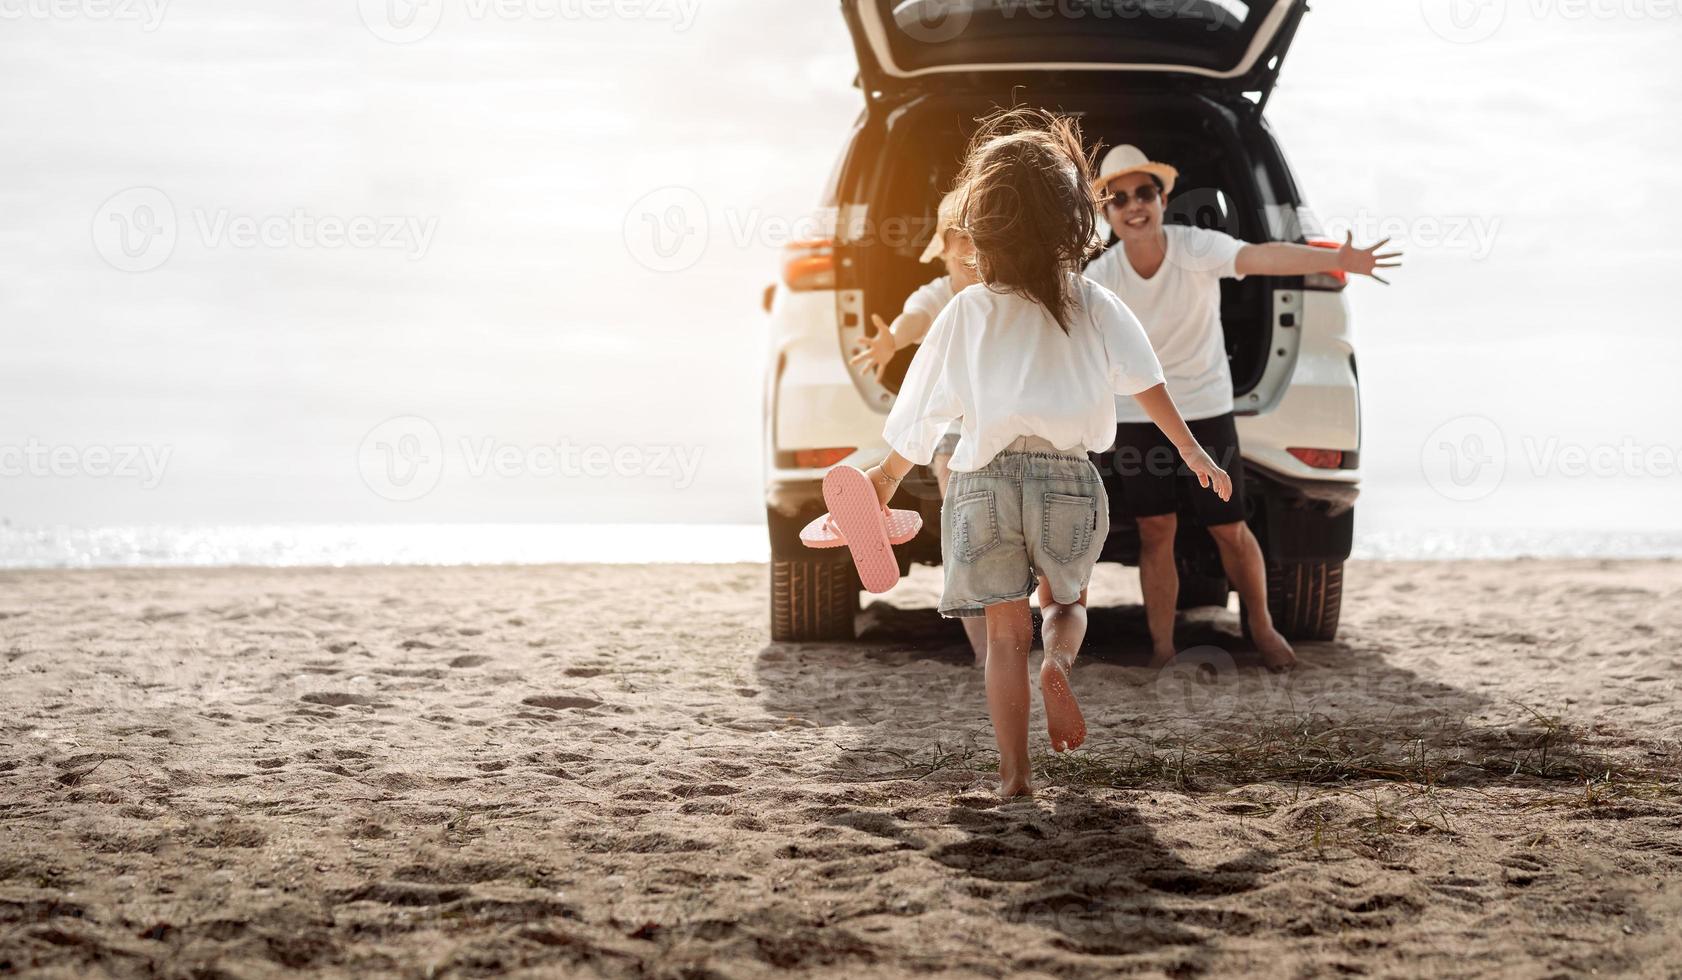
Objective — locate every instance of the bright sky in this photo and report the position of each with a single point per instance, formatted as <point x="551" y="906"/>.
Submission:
<point x="368" y="230"/>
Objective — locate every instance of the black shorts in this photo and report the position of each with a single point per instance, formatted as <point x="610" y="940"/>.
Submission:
<point x="1150" y="480"/>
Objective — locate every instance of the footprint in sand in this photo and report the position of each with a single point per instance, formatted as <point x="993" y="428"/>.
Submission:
<point x="559" y="701"/>
<point x="470" y="660"/>
<point x="339" y="699"/>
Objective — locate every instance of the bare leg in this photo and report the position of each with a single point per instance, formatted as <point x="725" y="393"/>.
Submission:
<point x="1159" y="580"/>
<point x="1064" y="629"/>
<point x="974" y="627"/>
<point x="1242" y="558"/>
<point x="1010" y="632"/>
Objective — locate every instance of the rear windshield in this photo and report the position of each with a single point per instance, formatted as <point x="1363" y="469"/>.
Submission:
<point x="1206" y="34"/>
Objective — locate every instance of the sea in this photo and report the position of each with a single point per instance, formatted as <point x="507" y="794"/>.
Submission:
<point x="346" y="545"/>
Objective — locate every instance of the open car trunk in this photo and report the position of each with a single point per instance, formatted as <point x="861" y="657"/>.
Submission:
<point x="1231" y="180"/>
<point x="1235" y="47"/>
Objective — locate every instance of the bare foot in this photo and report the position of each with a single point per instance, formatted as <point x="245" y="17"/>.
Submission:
<point x="1275" y="649"/>
<point x="1162" y="657"/>
<point x="1063" y="721"/>
<point x="1010" y="788"/>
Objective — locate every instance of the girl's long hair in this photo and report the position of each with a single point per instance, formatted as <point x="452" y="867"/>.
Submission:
<point x="1026" y="189"/>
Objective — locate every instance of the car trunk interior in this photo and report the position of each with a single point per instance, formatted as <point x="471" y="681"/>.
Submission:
<point x="922" y="146"/>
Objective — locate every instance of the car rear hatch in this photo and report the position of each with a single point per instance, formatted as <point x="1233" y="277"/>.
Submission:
<point x="1230" y="47"/>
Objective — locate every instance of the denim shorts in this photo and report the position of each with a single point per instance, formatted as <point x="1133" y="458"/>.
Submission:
<point x="1023" y="515"/>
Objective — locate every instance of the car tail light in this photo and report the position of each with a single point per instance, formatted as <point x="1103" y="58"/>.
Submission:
<point x="1329" y="282"/>
<point x="1320" y="459"/>
<point x="809" y="264"/>
<point x="811" y="459"/>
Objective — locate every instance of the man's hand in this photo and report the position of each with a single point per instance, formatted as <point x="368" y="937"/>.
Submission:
<point x="1365" y="261"/>
<point x="877" y="349"/>
<point x="1208" y="474"/>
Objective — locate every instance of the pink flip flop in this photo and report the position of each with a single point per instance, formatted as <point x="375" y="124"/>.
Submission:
<point x="903" y="525"/>
<point x="857" y="518"/>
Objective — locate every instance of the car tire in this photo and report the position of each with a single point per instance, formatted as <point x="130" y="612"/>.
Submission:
<point x="813" y="600"/>
<point x="1305" y="599"/>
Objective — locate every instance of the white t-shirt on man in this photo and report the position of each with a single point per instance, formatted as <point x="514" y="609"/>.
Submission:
<point x="1180" y="307"/>
<point x="1000" y="364"/>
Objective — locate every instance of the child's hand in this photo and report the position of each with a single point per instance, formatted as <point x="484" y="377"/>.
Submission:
<point x="877" y="349"/>
<point x="1208" y="474"/>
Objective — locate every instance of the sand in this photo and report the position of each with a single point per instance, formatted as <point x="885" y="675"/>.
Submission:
<point x="610" y="771"/>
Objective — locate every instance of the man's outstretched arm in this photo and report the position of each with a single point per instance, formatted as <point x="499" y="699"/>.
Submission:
<point x="1286" y="259"/>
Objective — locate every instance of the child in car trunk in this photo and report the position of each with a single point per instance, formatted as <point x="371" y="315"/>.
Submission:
<point x="1028" y="362"/>
<point x="957" y="252"/>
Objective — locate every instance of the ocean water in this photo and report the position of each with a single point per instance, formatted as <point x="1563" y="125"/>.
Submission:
<point x="339" y="545"/>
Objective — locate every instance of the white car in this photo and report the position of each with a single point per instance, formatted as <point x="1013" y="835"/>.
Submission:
<point x="1186" y="79"/>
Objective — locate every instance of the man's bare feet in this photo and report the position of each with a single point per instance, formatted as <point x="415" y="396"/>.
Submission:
<point x="1063" y="721"/>
<point x="1275" y="649"/>
<point x="1162" y="657"/>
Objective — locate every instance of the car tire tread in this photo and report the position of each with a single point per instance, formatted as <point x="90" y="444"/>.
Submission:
<point x="1306" y="599"/>
<point x="813" y="600"/>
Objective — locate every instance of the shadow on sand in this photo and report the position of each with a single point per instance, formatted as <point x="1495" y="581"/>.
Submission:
<point x="901" y="653"/>
<point x="1085" y="868"/>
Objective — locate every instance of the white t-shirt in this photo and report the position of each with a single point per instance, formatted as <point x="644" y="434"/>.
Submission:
<point x="1000" y="363"/>
<point x="931" y="297"/>
<point x="1180" y="307"/>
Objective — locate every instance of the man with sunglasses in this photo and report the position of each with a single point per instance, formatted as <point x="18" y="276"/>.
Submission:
<point x="1170" y="277"/>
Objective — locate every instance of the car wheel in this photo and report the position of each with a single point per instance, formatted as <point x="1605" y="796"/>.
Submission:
<point x="1305" y="599"/>
<point x="813" y="600"/>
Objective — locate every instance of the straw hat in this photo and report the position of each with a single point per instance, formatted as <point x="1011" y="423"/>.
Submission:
<point x="1126" y="159"/>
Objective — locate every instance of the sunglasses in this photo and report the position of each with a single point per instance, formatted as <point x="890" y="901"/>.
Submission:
<point x="1144" y="194"/>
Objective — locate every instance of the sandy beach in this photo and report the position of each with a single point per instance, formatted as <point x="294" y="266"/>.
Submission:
<point x="592" y="770"/>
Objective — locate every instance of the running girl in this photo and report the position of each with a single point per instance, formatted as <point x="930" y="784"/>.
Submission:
<point x="1029" y="360"/>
